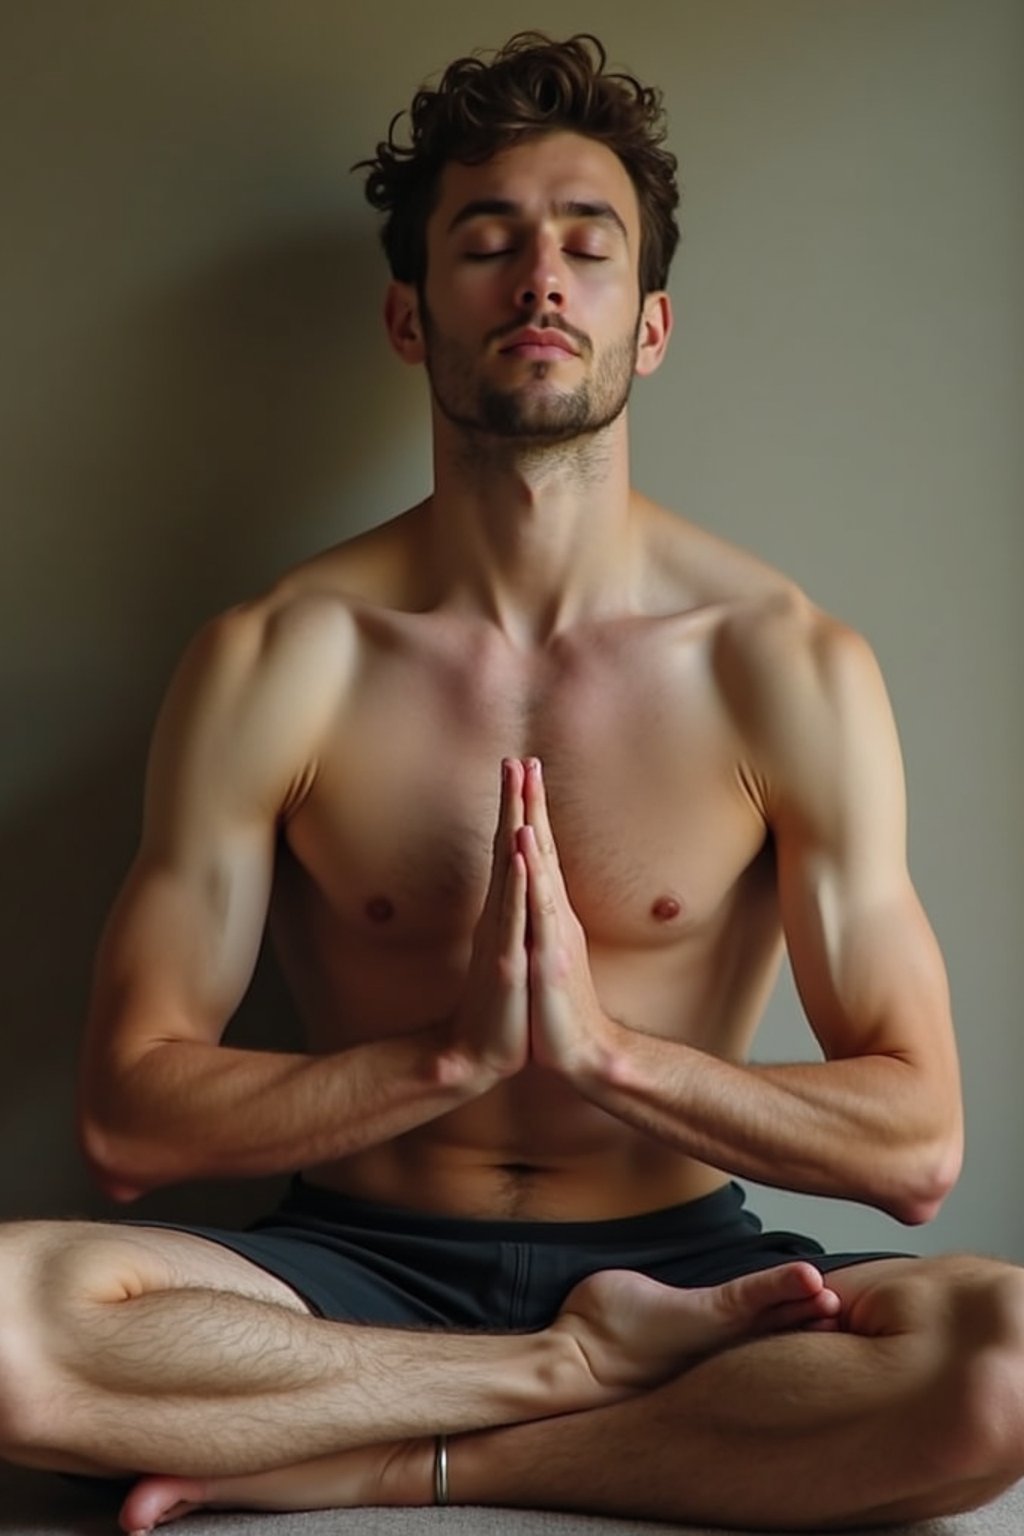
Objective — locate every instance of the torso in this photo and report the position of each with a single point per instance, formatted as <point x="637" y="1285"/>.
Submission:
<point x="384" y="860"/>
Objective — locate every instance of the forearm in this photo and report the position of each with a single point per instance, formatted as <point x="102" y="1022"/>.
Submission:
<point x="189" y="1110"/>
<point x="863" y="1129"/>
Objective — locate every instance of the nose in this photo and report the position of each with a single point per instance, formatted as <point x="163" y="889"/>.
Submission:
<point x="541" y="283"/>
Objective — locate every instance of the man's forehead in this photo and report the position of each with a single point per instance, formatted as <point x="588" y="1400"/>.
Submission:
<point x="555" y="172"/>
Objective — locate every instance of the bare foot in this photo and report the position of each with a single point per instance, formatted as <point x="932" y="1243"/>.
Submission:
<point x="634" y="1332"/>
<point x="630" y="1333"/>
<point x="400" y="1473"/>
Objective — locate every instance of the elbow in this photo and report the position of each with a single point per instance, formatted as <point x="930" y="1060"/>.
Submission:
<point x="123" y="1168"/>
<point x="928" y="1175"/>
<point x="123" y="1136"/>
<point x="915" y="1209"/>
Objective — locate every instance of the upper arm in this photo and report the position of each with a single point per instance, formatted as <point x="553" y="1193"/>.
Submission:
<point x="828" y="765"/>
<point x="234" y="743"/>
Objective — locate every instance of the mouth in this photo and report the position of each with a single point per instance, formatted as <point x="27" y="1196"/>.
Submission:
<point x="546" y="346"/>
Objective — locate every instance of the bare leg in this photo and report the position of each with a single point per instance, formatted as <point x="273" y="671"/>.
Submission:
<point x="677" y="1327"/>
<point x="125" y="1350"/>
<point x="918" y="1411"/>
<point x="117" y="1351"/>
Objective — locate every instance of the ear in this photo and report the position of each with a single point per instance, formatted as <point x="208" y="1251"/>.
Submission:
<point x="655" y="330"/>
<point x="402" y="318"/>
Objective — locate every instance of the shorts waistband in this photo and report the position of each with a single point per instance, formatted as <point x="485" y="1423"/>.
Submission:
<point x="710" y="1212"/>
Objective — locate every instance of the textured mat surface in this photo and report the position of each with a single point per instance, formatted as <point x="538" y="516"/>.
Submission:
<point x="34" y="1505"/>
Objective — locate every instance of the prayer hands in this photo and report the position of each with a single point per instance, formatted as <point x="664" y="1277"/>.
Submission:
<point x="490" y="1029"/>
<point x="529" y="994"/>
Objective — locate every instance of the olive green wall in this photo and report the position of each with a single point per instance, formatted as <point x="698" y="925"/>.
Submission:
<point x="194" y="390"/>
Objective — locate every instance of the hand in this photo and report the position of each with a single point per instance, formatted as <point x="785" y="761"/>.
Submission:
<point x="569" y="1030"/>
<point x="489" y="1033"/>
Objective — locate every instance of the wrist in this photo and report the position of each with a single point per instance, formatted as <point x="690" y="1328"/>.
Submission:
<point x="598" y="1056"/>
<point x="454" y="1064"/>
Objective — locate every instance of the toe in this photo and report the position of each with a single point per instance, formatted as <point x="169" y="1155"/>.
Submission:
<point x="785" y="1283"/>
<point x="156" y="1501"/>
<point x="770" y="1298"/>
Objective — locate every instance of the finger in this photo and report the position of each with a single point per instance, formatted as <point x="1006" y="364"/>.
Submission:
<point x="536" y="805"/>
<point x="510" y="809"/>
<point x="510" y="819"/>
<point x="541" y="897"/>
<point x="512" y="775"/>
<point x="511" y="936"/>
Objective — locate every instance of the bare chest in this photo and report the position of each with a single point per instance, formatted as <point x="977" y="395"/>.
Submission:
<point x="641" y="765"/>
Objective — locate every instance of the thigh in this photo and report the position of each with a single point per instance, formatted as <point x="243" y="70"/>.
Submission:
<point x="205" y="1260"/>
<point x="104" y="1262"/>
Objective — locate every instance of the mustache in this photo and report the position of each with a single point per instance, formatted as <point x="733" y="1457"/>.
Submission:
<point x="550" y="323"/>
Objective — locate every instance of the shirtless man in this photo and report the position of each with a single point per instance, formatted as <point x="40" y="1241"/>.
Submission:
<point x="535" y="780"/>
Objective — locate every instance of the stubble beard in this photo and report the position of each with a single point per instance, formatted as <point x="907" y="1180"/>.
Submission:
<point x="526" y="416"/>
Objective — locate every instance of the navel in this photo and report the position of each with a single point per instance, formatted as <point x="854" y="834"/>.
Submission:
<point x="666" y="909"/>
<point x="380" y="909"/>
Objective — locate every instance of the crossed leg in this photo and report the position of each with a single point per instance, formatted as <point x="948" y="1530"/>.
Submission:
<point x="125" y="1350"/>
<point x="915" y="1408"/>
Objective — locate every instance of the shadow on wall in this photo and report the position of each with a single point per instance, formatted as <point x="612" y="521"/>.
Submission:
<point x="259" y="395"/>
<point x="228" y="429"/>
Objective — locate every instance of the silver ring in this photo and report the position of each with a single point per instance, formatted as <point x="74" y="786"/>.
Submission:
<point x="441" y="1469"/>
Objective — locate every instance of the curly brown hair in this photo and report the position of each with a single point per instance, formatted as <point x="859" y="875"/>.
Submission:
<point x="530" y="87"/>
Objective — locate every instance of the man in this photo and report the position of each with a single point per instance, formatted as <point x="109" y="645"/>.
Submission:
<point x="534" y="780"/>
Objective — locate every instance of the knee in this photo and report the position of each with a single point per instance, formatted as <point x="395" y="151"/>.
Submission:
<point x="48" y="1272"/>
<point x="23" y="1387"/>
<point x="985" y="1373"/>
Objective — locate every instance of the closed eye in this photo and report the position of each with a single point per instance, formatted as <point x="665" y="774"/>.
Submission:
<point x="510" y="251"/>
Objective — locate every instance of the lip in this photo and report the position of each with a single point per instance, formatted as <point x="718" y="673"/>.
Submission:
<point x="545" y="345"/>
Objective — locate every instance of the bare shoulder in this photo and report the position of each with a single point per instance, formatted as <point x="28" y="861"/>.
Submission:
<point x="262" y="683"/>
<point x="782" y="651"/>
<point x="303" y="629"/>
<point x="803" y="689"/>
<point x="254" y="654"/>
<point x="812" y="709"/>
<point x="249" y="705"/>
<point x="789" y="667"/>
<point x="774" y="647"/>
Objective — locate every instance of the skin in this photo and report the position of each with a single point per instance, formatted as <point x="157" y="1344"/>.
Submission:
<point x="534" y="783"/>
<point x="525" y="617"/>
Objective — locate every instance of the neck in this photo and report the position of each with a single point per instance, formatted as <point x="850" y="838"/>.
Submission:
<point x="533" y="537"/>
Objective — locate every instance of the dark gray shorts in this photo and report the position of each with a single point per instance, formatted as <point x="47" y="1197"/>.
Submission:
<point x="355" y="1261"/>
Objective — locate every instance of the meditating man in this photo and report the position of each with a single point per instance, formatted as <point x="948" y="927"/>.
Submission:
<point x="534" y="782"/>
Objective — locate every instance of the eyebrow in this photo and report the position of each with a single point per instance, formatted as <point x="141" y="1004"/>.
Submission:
<point x="572" y="208"/>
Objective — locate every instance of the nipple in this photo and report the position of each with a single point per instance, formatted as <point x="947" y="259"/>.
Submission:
<point x="665" y="909"/>
<point x="379" y="909"/>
